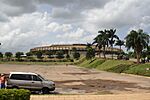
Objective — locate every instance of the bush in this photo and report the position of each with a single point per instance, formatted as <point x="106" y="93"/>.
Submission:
<point x="14" y="94"/>
<point x="76" y="55"/>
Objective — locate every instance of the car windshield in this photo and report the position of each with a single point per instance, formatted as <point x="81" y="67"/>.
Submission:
<point x="41" y="77"/>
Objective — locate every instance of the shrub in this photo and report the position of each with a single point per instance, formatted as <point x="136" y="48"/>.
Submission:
<point x="71" y="60"/>
<point x="14" y="94"/>
<point x="76" y="55"/>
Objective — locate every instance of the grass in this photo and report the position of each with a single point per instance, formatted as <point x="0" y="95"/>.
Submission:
<point x="95" y="63"/>
<point x="112" y="63"/>
<point x="102" y="64"/>
<point x="91" y="63"/>
<point x="120" y="68"/>
<point x="117" y="66"/>
<point x="36" y="63"/>
<point x="141" y="69"/>
<point x="85" y="63"/>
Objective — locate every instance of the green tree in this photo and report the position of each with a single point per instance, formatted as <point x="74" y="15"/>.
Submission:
<point x="102" y="40"/>
<point x="131" y="54"/>
<point x="144" y="54"/>
<point x="68" y="56"/>
<point x="18" y="55"/>
<point x="90" y="51"/>
<point x="1" y="55"/>
<point x="29" y="54"/>
<point x="76" y="55"/>
<point x="112" y="38"/>
<point x="119" y="43"/>
<point x="137" y="40"/>
<point x="98" y="42"/>
<point x="60" y="54"/>
<point x="39" y="54"/>
<point x="8" y="55"/>
<point x="49" y="53"/>
<point x="74" y="49"/>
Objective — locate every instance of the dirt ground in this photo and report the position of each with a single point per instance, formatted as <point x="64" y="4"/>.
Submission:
<point x="75" y="80"/>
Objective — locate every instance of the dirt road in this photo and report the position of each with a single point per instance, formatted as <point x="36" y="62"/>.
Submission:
<point x="75" y="80"/>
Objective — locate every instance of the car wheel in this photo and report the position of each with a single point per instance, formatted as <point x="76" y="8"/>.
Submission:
<point x="45" y="91"/>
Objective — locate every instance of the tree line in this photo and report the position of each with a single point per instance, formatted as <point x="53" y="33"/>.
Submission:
<point x="40" y="55"/>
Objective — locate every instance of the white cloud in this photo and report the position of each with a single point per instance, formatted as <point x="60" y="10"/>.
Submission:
<point x="114" y="14"/>
<point x="76" y="34"/>
<point x="23" y="25"/>
<point x="56" y="27"/>
<point x="23" y="32"/>
<point x="30" y="30"/>
<point x="118" y="14"/>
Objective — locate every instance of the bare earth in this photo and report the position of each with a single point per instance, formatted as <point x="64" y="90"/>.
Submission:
<point x="75" y="80"/>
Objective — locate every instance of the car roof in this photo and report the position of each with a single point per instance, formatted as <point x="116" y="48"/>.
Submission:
<point x="23" y="73"/>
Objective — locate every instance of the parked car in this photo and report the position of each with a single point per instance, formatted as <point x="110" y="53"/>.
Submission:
<point x="31" y="81"/>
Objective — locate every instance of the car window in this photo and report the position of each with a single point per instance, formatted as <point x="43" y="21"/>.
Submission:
<point x="36" y="78"/>
<point x="21" y="77"/>
<point x="41" y="77"/>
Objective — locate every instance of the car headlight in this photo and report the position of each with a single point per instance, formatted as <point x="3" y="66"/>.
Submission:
<point x="53" y="85"/>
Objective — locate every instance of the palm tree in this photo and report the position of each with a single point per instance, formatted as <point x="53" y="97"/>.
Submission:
<point x="112" y="38"/>
<point x="98" y="42"/>
<point x="119" y="43"/>
<point x="104" y="37"/>
<point x="137" y="40"/>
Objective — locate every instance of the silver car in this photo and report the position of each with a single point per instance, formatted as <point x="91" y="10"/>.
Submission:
<point x="31" y="81"/>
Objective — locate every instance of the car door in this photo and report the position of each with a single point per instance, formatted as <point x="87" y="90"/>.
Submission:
<point x="21" y="80"/>
<point x="36" y="82"/>
<point x="26" y="81"/>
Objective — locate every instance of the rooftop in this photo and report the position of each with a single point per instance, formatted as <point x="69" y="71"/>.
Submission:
<point x="23" y="73"/>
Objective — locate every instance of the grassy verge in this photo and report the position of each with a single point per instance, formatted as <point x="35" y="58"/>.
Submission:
<point x="91" y="63"/>
<point x="108" y="64"/>
<point x="142" y="69"/>
<point x="102" y="64"/>
<point x="117" y="66"/>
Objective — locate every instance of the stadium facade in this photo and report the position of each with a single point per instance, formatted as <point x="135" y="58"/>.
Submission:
<point x="81" y="48"/>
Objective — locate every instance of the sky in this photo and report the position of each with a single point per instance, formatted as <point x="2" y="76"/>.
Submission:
<point x="25" y="24"/>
